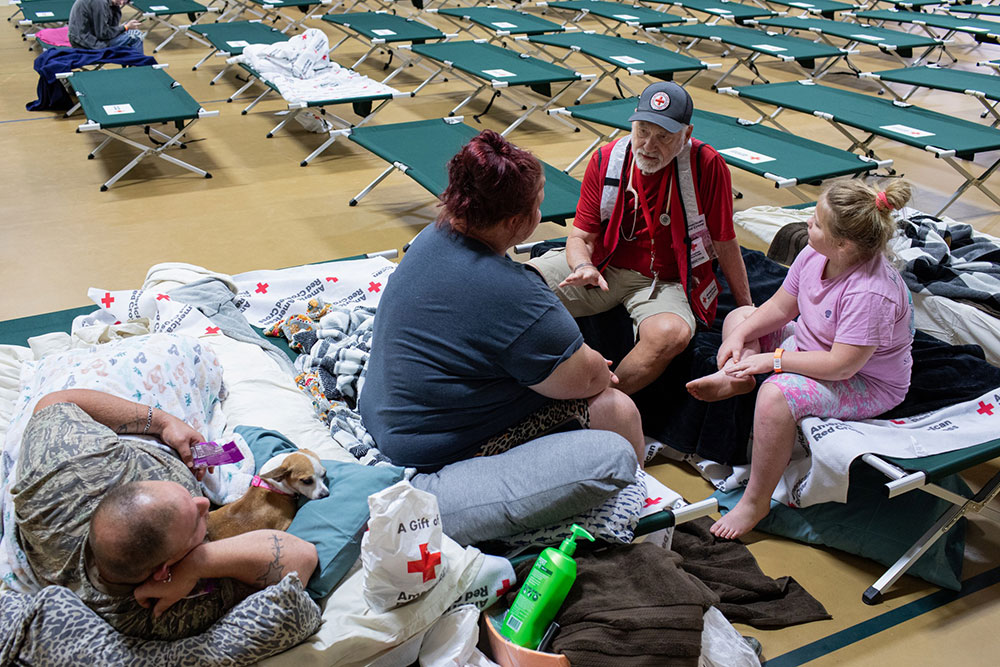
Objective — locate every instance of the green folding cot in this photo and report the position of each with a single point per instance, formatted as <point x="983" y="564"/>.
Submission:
<point x="613" y="55"/>
<point x="228" y="39"/>
<point x="895" y="43"/>
<point x="826" y="9"/>
<point x="984" y="87"/>
<point x="992" y="64"/>
<point x="489" y="66"/>
<point x="160" y="12"/>
<point x="982" y="31"/>
<point x="974" y="9"/>
<point x="815" y="59"/>
<point x="381" y="30"/>
<point x="786" y="159"/>
<point x="612" y="16"/>
<point x="497" y="21"/>
<point x="737" y="12"/>
<point x="365" y="106"/>
<point x="43" y="14"/>
<point x="273" y="10"/>
<point x="114" y="100"/>
<point x="946" y="137"/>
<point x="421" y="150"/>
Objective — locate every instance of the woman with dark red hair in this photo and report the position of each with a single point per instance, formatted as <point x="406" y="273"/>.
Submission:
<point x="472" y="353"/>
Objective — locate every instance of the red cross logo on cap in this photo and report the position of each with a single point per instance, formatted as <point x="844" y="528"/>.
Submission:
<point x="659" y="102"/>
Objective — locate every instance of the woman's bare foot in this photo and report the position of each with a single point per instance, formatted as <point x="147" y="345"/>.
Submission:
<point x="741" y="519"/>
<point x="719" y="386"/>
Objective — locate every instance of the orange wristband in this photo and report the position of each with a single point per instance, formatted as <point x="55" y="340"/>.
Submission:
<point x="777" y="359"/>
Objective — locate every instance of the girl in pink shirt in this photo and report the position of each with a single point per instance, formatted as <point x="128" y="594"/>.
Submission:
<point x="847" y="355"/>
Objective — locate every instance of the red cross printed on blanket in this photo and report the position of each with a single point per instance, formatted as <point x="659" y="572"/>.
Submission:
<point x="985" y="408"/>
<point x="108" y="300"/>
<point x="896" y="421"/>
<point x="332" y="279"/>
<point x="426" y="564"/>
<point x="262" y="288"/>
<point x="162" y="297"/>
<point x="652" y="501"/>
<point x="211" y="330"/>
<point x="504" y="587"/>
<point x="374" y="286"/>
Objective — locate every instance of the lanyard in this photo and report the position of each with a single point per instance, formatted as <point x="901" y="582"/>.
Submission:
<point x="650" y="215"/>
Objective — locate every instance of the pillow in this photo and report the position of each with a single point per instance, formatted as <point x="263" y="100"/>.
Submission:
<point x="56" y="627"/>
<point x="873" y="526"/>
<point x="335" y="523"/>
<point x="533" y="485"/>
<point x="614" y="520"/>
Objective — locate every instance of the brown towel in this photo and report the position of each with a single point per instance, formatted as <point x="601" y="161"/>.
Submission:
<point x="747" y="595"/>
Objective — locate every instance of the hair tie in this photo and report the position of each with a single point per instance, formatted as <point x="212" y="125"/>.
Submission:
<point x="882" y="202"/>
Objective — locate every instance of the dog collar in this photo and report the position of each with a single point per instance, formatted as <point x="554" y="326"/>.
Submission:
<point x="262" y="483"/>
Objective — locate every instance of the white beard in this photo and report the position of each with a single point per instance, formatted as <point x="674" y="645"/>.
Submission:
<point x="646" y="164"/>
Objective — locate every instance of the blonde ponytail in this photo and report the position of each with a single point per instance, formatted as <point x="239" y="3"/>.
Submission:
<point x="863" y="214"/>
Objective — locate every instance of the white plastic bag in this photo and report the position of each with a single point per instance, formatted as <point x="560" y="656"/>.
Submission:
<point x="314" y="122"/>
<point x="495" y="578"/>
<point x="452" y="641"/>
<point x="401" y="551"/>
<point x="722" y="645"/>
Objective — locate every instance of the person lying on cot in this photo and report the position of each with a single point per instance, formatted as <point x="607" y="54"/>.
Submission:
<point x="93" y="24"/>
<point x="121" y="522"/>
<point x="655" y="210"/>
<point x="472" y="354"/>
<point x="846" y="356"/>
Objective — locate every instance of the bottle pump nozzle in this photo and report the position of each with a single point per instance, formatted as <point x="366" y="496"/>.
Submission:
<point x="568" y="545"/>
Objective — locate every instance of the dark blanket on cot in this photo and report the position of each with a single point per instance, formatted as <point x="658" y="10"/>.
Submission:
<point x="52" y="94"/>
<point x="942" y="375"/>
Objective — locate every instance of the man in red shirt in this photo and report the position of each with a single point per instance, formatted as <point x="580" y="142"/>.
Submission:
<point x="655" y="210"/>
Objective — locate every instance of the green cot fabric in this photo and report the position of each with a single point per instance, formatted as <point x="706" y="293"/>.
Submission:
<point x="426" y="146"/>
<point x="982" y="30"/>
<point x="168" y="7"/>
<point x="616" y="11"/>
<point x="737" y="11"/>
<point x="19" y="330"/>
<point x="879" y="116"/>
<point x="252" y="32"/>
<point x="486" y="62"/>
<point x="978" y="10"/>
<point x="779" y="153"/>
<point x="623" y="52"/>
<point x="825" y="8"/>
<point x="868" y="34"/>
<point x="495" y="18"/>
<point x="47" y="11"/>
<point x="153" y="95"/>
<point x="755" y="40"/>
<point x="954" y="80"/>
<point x="939" y="466"/>
<point x="401" y="29"/>
<point x="286" y="3"/>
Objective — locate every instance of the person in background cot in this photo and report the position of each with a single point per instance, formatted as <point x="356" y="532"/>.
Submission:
<point x="94" y="24"/>
<point x="848" y="353"/>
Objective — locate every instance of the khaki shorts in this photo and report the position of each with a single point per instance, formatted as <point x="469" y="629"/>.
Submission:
<point x="626" y="287"/>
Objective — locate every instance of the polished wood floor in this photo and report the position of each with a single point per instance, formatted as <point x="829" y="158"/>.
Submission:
<point x="61" y="234"/>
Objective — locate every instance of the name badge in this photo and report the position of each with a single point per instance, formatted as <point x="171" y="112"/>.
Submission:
<point x="698" y="253"/>
<point x="708" y="294"/>
<point x="698" y="225"/>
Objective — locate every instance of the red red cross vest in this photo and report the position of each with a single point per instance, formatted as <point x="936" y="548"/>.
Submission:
<point x="691" y="242"/>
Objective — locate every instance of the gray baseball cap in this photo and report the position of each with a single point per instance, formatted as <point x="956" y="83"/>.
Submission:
<point x="666" y="104"/>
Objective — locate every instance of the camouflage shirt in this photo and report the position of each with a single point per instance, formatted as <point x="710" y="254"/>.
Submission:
<point x="67" y="462"/>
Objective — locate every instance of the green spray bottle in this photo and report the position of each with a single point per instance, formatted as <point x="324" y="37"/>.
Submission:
<point x="543" y="592"/>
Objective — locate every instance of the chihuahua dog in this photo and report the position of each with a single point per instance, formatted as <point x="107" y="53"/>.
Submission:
<point x="271" y="501"/>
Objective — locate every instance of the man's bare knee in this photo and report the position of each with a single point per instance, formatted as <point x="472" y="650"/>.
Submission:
<point x="668" y="335"/>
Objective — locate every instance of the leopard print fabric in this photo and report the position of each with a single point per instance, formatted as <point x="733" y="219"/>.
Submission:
<point x="553" y="416"/>
<point x="54" y="627"/>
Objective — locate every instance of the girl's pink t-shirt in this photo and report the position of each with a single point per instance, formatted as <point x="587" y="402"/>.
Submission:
<point x="867" y="305"/>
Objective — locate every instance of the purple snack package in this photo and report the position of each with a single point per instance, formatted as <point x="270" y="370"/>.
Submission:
<point x="207" y="454"/>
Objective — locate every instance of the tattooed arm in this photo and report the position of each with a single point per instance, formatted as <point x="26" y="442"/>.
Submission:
<point x="258" y="558"/>
<point x="126" y="417"/>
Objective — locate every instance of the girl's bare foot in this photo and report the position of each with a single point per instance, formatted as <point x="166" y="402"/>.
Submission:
<point x="741" y="519"/>
<point x="719" y="386"/>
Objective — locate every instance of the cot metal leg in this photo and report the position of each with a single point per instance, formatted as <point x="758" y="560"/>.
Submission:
<point x="202" y="62"/>
<point x="254" y="103"/>
<point x="292" y="113"/>
<point x="145" y="152"/>
<point x="970" y="181"/>
<point x="219" y="76"/>
<point x="371" y="186"/>
<point x="875" y="592"/>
